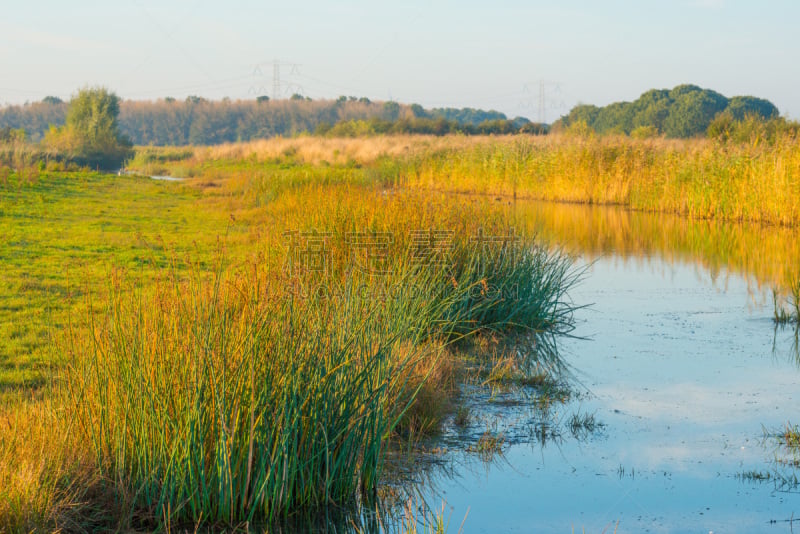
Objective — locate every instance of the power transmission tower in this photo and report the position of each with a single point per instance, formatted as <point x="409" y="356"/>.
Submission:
<point x="280" y="86"/>
<point x="548" y="97"/>
<point x="541" y="116"/>
<point x="276" y="79"/>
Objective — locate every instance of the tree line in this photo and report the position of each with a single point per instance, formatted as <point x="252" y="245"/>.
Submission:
<point x="197" y="121"/>
<point x="97" y="128"/>
<point x="682" y="112"/>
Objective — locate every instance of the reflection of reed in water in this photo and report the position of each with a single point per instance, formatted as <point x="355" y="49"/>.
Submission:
<point x="766" y="255"/>
<point x="787" y="314"/>
<point x="787" y="303"/>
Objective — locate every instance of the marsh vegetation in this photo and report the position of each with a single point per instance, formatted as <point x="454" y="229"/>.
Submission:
<point x="254" y="343"/>
<point x="261" y="371"/>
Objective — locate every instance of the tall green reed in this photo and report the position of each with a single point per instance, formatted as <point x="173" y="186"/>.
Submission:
<point x="259" y="394"/>
<point x="223" y="400"/>
<point x="229" y="399"/>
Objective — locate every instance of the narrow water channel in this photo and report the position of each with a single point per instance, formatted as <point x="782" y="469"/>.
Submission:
<point x="683" y="368"/>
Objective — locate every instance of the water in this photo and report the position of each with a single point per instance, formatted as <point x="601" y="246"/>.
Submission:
<point x="166" y="178"/>
<point x="159" y="177"/>
<point x="683" y="368"/>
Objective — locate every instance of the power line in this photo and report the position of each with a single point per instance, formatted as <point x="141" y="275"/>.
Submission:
<point x="548" y="96"/>
<point x="280" y="86"/>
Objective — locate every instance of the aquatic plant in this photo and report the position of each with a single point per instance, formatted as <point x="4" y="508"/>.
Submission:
<point x="582" y="424"/>
<point x="488" y="445"/>
<point x="238" y="398"/>
<point x="214" y="399"/>
<point x="791" y="437"/>
<point x="785" y="462"/>
<point x="787" y="308"/>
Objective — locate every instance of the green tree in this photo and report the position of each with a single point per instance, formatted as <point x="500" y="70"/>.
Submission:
<point x="684" y="111"/>
<point x="91" y="133"/>
<point x="390" y="111"/>
<point x="742" y="106"/>
<point x="418" y="111"/>
<point x="692" y="111"/>
<point x="585" y="113"/>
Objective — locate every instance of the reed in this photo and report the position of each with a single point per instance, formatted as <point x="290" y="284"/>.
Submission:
<point x="787" y="304"/>
<point x="210" y="400"/>
<point x="755" y="181"/>
<point x="241" y="397"/>
<point x="700" y="179"/>
<point x="257" y="388"/>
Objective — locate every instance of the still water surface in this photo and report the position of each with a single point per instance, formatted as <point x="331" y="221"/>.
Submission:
<point x="682" y="366"/>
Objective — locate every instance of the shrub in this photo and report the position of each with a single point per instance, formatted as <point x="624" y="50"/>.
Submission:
<point x="91" y="135"/>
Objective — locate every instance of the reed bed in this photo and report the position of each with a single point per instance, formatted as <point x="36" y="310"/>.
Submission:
<point x="757" y="182"/>
<point x="210" y="401"/>
<point x="265" y="389"/>
<point x="224" y="400"/>
<point x="336" y="151"/>
<point x="304" y="149"/>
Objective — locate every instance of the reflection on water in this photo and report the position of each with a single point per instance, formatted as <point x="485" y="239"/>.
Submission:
<point x="767" y="255"/>
<point x="787" y="335"/>
<point x="682" y="370"/>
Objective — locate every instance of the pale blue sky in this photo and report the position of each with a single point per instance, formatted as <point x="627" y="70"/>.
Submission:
<point x="436" y="53"/>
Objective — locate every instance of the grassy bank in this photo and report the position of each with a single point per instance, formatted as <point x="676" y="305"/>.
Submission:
<point x="244" y="346"/>
<point x="60" y="229"/>
<point x="756" y="181"/>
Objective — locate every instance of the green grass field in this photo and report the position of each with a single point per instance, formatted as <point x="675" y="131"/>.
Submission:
<point x="64" y="231"/>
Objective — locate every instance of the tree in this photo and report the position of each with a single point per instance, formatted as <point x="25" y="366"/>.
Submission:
<point x="585" y="113"/>
<point x="742" y="106"/>
<point x="418" y="111"/>
<point x="391" y="111"/>
<point x="692" y="112"/>
<point x="91" y="133"/>
<point x="684" y="111"/>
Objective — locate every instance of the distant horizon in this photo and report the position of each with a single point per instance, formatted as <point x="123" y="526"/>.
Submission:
<point x="511" y="57"/>
<point x="531" y="118"/>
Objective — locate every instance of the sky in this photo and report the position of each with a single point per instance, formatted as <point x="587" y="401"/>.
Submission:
<point x="525" y="58"/>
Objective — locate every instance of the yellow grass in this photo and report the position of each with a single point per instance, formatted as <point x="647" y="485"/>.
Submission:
<point x="45" y="469"/>
<point x="696" y="178"/>
<point x="317" y="150"/>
